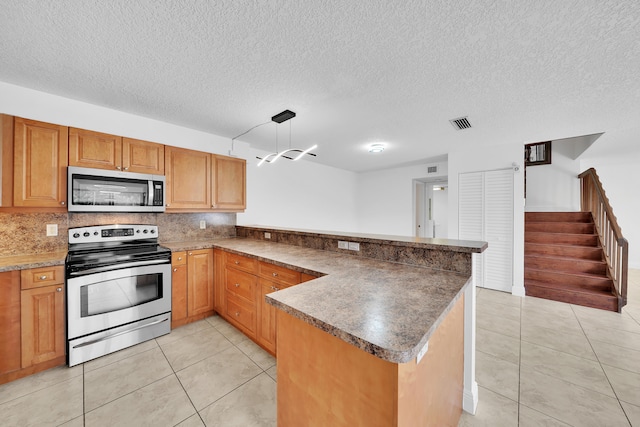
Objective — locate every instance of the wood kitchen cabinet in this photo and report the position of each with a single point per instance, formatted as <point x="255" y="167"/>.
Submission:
<point x="104" y="151"/>
<point x="39" y="165"/>
<point x="9" y="322"/>
<point x="192" y="286"/>
<point x="42" y="315"/>
<point x="198" y="181"/>
<point x="240" y="291"/>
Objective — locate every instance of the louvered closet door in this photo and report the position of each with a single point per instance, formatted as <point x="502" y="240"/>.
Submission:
<point x="498" y="229"/>
<point x="471" y="215"/>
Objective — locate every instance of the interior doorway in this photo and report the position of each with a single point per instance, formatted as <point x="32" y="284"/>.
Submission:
<point x="431" y="199"/>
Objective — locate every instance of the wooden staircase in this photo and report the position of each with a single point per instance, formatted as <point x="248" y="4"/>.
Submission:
<point x="564" y="260"/>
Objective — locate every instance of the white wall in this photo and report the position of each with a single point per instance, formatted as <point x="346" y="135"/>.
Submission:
<point x="620" y="177"/>
<point x="301" y="194"/>
<point x="492" y="158"/>
<point x="385" y="199"/>
<point x="555" y="187"/>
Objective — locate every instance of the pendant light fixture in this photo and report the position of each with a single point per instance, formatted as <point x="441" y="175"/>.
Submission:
<point x="290" y="153"/>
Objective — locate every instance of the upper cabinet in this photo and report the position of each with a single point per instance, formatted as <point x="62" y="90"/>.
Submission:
<point x="103" y="151"/>
<point x="198" y="181"/>
<point x="229" y="186"/>
<point x="39" y="164"/>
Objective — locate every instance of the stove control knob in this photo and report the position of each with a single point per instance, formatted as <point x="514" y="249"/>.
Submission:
<point x="145" y="231"/>
<point x="95" y="233"/>
<point x="86" y="234"/>
<point x="153" y="231"/>
<point x="137" y="231"/>
<point x="76" y="235"/>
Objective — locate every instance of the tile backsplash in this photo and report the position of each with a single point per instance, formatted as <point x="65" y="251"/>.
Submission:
<point x="25" y="233"/>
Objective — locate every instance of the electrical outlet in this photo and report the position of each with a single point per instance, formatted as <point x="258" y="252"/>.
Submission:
<point x="203" y="224"/>
<point x="422" y="352"/>
<point x="267" y="235"/>
<point x="52" y="229"/>
<point x="354" y="246"/>
<point x="343" y="245"/>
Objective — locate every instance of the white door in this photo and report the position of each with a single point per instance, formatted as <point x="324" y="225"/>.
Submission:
<point x="485" y="212"/>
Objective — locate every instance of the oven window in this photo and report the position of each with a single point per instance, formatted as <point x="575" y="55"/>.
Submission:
<point x="104" y="191"/>
<point x="118" y="294"/>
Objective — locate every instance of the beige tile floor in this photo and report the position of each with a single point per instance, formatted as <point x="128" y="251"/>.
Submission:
<point x="539" y="363"/>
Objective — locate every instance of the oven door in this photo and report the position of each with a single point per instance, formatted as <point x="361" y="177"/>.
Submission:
<point x="100" y="301"/>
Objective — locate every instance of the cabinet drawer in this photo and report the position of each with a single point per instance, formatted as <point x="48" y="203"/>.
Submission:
<point x="178" y="258"/>
<point x="239" y="311"/>
<point x="241" y="262"/>
<point x="241" y="284"/>
<point x="278" y="274"/>
<point x="44" y="276"/>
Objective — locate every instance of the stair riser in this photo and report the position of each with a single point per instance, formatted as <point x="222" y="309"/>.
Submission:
<point x="594" y="283"/>
<point x="560" y="227"/>
<point x="604" y="302"/>
<point x="558" y="216"/>
<point x="571" y="266"/>
<point x="582" y="252"/>
<point x="562" y="239"/>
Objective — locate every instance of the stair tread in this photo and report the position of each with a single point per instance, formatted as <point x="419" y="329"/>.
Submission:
<point x="569" y="287"/>
<point x="571" y="273"/>
<point x="564" y="258"/>
<point x="555" y="233"/>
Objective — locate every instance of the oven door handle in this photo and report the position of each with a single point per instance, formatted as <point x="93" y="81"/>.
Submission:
<point x="108" y="337"/>
<point x="113" y="267"/>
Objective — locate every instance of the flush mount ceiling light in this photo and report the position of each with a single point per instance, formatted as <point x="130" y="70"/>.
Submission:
<point x="290" y="153"/>
<point x="376" y="148"/>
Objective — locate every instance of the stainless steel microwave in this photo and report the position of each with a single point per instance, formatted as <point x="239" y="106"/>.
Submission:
<point x="98" y="190"/>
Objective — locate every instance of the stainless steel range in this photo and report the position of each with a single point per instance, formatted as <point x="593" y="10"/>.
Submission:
<point x="118" y="289"/>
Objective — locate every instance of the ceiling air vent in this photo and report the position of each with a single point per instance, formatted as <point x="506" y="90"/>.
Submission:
<point x="461" y="123"/>
<point x="432" y="169"/>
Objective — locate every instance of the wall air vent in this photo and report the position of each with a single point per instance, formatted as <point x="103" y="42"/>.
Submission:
<point x="460" y="123"/>
<point x="432" y="169"/>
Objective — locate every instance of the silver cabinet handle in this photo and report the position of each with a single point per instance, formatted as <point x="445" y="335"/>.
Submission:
<point x="43" y="277"/>
<point x="126" y="169"/>
<point x="237" y="285"/>
<point x="167" y="205"/>
<point x="59" y="290"/>
<point x="275" y="274"/>
<point x="237" y="314"/>
<point x="237" y="262"/>
<point x="62" y="203"/>
<point x="119" y="168"/>
<point x="179" y="258"/>
<point x="175" y="269"/>
<point x="190" y="253"/>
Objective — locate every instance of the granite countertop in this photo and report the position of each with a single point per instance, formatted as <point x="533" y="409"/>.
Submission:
<point x="24" y="262"/>
<point x="387" y="309"/>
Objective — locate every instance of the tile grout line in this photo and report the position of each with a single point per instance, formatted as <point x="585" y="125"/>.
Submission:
<point x="602" y="367"/>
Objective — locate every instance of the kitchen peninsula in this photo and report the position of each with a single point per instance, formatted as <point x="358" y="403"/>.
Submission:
<point x="381" y="341"/>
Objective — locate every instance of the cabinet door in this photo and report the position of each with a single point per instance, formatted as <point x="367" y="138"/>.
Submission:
<point x="9" y="321"/>
<point x="266" y="316"/>
<point x="188" y="179"/>
<point x="94" y="149"/>
<point x="200" y="281"/>
<point x="179" y="293"/>
<point x="142" y="156"/>
<point x="40" y="164"/>
<point x="229" y="183"/>
<point x="219" y="297"/>
<point x="43" y="333"/>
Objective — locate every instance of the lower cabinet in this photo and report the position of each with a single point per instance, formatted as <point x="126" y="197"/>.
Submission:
<point x="241" y="286"/>
<point x="192" y="286"/>
<point x="32" y="321"/>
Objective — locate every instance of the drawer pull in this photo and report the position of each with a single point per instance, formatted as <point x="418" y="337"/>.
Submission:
<point x="175" y="269"/>
<point x="190" y="253"/>
<point x="59" y="290"/>
<point x="237" y="314"/>
<point x="237" y="262"/>
<point x="237" y="285"/>
<point x="43" y="277"/>
<point x="275" y="274"/>
<point x="179" y="258"/>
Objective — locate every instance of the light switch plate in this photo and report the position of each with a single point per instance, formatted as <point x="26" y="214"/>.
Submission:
<point x="52" y="229"/>
<point x="203" y="224"/>
<point x="354" y="246"/>
<point x="343" y="245"/>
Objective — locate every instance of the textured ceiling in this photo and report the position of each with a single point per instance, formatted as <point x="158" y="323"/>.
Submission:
<point x="355" y="72"/>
